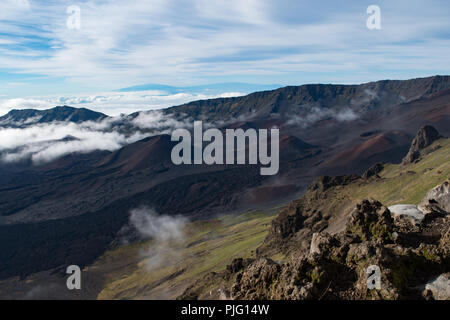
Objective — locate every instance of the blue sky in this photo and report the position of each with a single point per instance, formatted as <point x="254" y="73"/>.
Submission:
<point x="190" y="42"/>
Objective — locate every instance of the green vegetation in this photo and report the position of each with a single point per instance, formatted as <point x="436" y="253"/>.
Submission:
<point x="210" y="246"/>
<point x="409" y="184"/>
<point x="316" y="275"/>
<point x="398" y="184"/>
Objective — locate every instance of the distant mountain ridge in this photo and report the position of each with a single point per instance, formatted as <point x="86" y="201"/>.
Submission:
<point x="59" y="113"/>
<point x="335" y="99"/>
<point x="301" y="100"/>
<point x="216" y="88"/>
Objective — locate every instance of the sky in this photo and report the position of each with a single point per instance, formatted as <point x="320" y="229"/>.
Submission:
<point x="78" y="52"/>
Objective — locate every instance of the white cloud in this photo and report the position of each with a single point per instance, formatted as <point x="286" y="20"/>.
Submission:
<point x="45" y="142"/>
<point x="346" y="115"/>
<point x="156" y="120"/>
<point x="111" y="103"/>
<point x="173" y="42"/>
<point x="166" y="232"/>
<point x="315" y="114"/>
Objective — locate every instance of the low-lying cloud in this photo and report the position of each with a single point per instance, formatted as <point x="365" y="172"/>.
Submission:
<point x="45" y="142"/>
<point x="162" y="122"/>
<point x="40" y="143"/>
<point x="316" y="114"/>
<point x="166" y="232"/>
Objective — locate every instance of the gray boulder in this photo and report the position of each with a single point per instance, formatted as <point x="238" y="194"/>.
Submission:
<point x="439" y="196"/>
<point x="439" y="288"/>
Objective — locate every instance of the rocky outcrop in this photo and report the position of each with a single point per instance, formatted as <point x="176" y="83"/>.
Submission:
<point x="305" y="216"/>
<point x="436" y="202"/>
<point x="373" y="171"/>
<point x="424" y="138"/>
<point x="371" y="220"/>
<point x="238" y="264"/>
<point x="410" y="247"/>
<point x="410" y="258"/>
<point x="324" y="183"/>
<point x="337" y="266"/>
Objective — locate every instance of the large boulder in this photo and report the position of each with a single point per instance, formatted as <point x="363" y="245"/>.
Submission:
<point x="319" y="242"/>
<point x="438" y="196"/>
<point x="370" y="220"/>
<point x="407" y="211"/>
<point x="439" y="288"/>
<point x="254" y="282"/>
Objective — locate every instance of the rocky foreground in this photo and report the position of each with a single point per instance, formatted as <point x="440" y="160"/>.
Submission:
<point x="332" y="255"/>
<point x="414" y="259"/>
<point x="408" y="255"/>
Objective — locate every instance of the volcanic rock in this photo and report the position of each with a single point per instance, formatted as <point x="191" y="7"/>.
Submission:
<point x="424" y="138"/>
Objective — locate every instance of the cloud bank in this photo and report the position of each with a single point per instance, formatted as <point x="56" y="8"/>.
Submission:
<point x="44" y="142"/>
<point x="111" y="103"/>
<point x="165" y="232"/>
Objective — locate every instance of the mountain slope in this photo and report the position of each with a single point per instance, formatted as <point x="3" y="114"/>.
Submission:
<point x="19" y="118"/>
<point x="302" y="99"/>
<point x="324" y="241"/>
